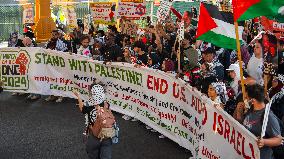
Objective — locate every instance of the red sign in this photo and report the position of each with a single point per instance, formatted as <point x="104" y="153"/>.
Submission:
<point x="274" y="27"/>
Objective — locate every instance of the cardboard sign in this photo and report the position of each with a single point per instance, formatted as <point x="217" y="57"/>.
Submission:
<point x="86" y="22"/>
<point x="129" y="28"/>
<point x="28" y="14"/>
<point x="70" y="14"/>
<point x="104" y="13"/>
<point x="132" y="10"/>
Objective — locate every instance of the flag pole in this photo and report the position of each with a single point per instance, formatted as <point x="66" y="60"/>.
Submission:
<point x="240" y="58"/>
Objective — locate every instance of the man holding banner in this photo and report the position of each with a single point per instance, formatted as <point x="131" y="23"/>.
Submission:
<point x="253" y="122"/>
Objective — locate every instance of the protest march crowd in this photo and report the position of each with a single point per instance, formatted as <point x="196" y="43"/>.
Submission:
<point x="212" y="69"/>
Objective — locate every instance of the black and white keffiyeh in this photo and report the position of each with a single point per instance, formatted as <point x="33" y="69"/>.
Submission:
<point x="280" y="77"/>
<point x="97" y="95"/>
<point x="221" y="91"/>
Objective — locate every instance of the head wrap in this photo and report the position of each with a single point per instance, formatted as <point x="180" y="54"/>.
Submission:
<point x="221" y="91"/>
<point x="281" y="78"/>
<point x="97" y="95"/>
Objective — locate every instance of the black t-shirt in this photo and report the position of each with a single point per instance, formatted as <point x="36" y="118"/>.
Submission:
<point x="112" y="53"/>
<point x="142" y="59"/>
<point x="253" y="122"/>
<point x="90" y="113"/>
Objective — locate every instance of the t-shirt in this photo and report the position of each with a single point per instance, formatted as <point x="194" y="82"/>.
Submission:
<point x="90" y="113"/>
<point x="255" y="69"/>
<point x="253" y="122"/>
<point x="142" y="59"/>
<point x="192" y="56"/>
<point x="112" y="53"/>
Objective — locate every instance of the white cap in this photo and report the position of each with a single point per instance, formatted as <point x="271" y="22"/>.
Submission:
<point x="235" y="68"/>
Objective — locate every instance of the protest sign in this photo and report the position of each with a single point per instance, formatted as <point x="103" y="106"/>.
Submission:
<point x="132" y="9"/>
<point x="273" y="26"/>
<point x="164" y="10"/>
<point x="129" y="28"/>
<point x="157" y="2"/>
<point x="156" y="98"/>
<point x="70" y="15"/>
<point x="104" y="12"/>
<point x="86" y="21"/>
<point x="28" y="14"/>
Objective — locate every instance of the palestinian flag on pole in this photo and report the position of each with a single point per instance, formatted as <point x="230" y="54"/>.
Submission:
<point x="249" y="9"/>
<point x="217" y="27"/>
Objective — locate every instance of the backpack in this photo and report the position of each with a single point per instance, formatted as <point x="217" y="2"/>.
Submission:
<point x="104" y="124"/>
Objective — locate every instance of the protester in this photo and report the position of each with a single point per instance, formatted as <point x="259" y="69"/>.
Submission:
<point x="85" y="48"/>
<point x="217" y="93"/>
<point x="56" y="44"/>
<point x="217" y="68"/>
<point x="13" y="40"/>
<point x="234" y="73"/>
<point x="253" y="122"/>
<point x="277" y="92"/>
<point x="111" y="51"/>
<point x="99" y="144"/>
<point x="255" y="64"/>
<point x="142" y="58"/>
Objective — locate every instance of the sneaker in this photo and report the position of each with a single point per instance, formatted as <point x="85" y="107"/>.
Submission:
<point x="148" y="127"/>
<point x="126" y="117"/>
<point x="153" y="130"/>
<point x="50" y="98"/>
<point x="59" y="100"/>
<point x="134" y="119"/>
<point x="14" y="94"/>
<point x="161" y="136"/>
<point x="35" y="97"/>
<point x="30" y="96"/>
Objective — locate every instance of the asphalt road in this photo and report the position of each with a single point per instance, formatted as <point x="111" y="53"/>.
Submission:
<point x="49" y="130"/>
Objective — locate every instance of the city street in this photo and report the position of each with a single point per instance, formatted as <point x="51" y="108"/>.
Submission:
<point x="45" y="130"/>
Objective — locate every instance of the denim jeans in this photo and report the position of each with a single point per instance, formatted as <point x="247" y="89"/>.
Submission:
<point x="97" y="149"/>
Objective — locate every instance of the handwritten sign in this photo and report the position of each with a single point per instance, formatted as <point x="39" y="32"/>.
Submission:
<point x="71" y="18"/>
<point x="28" y="14"/>
<point x="104" y="13"/>
<point x="129" y="28"/>
<point x="164" y="10"/>
<point x="132" y="9"/>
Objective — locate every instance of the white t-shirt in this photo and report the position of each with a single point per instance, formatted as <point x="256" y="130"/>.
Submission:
<point x="84" y="51"/>
<point x="255" y="69"/>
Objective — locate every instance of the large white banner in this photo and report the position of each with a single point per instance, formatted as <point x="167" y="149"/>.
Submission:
<point x="156" y="98"/>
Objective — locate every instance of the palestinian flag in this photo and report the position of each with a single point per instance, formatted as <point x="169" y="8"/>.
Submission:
<point x="249" y="9"/>
<point x="217" y="27"/>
